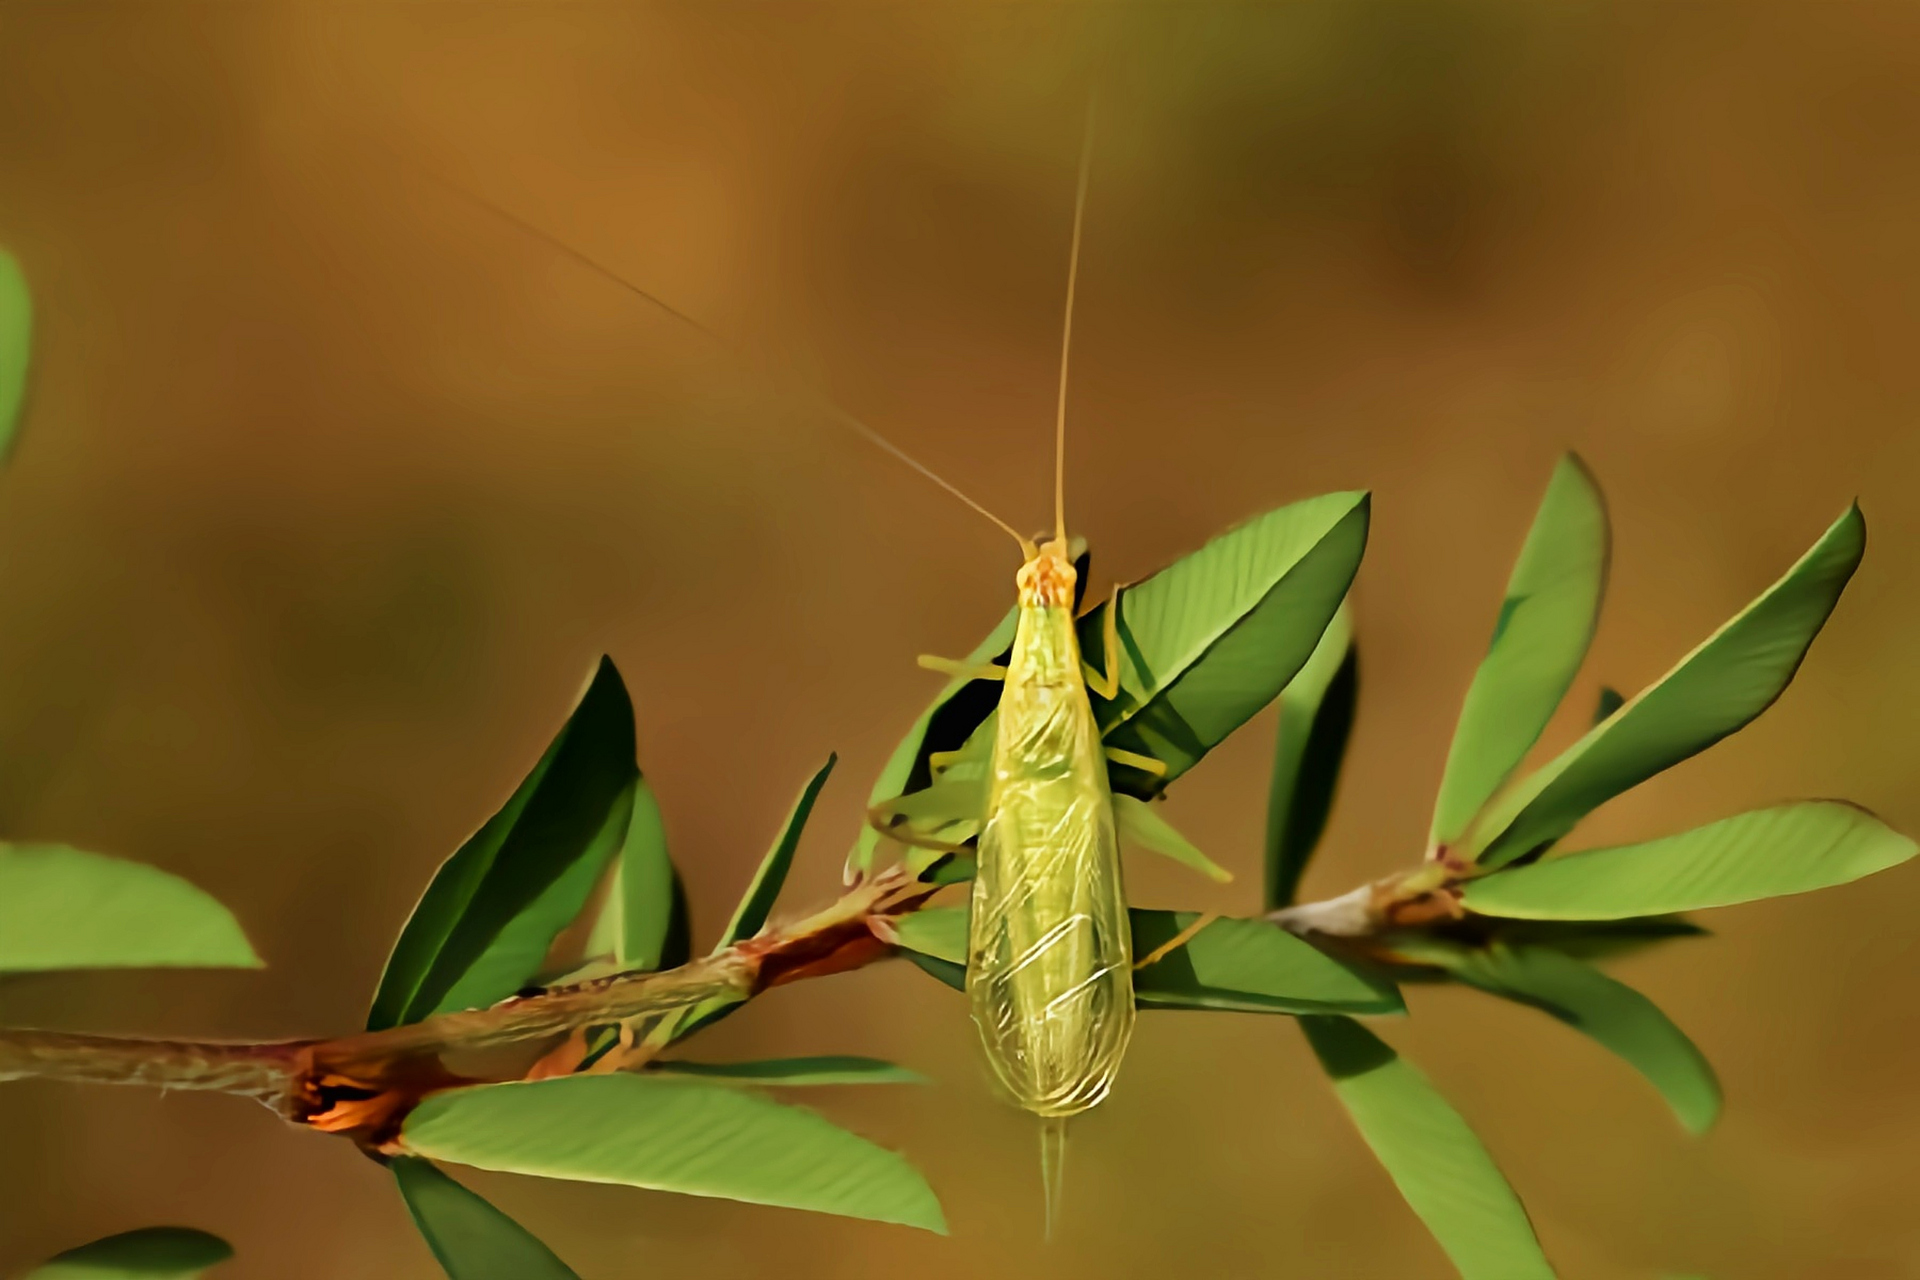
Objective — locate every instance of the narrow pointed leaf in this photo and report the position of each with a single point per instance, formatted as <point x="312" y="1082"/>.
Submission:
<point x="16" y="347"/>
<point x="1717" y="689"/>
<point x="1316" y="716"/>
<point x="1140" y="822"/>
<point x="757" y="903"/>
<point x="151" y="1253"/>
<point x="654" y="930"/>
<point x="470" y="1238"/>
<point x="1612" y="1013"/>
<point x="484" y="925"/>
<point x="1546" y="623"/>
<point x="1214" y="637"/>
<point x="690" y="1136"/>
<point x="1609" y="701"/>
<point x="788" y="1073"/>
<point x="1441" y="1168"/>
<point x="62" y="908"/>
<point x="1247" y="966"/>
<point x="1768" y="853"/>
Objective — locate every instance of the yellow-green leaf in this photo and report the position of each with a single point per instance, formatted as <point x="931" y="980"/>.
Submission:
<point x="1790" y="848"/>
<point x="672" y="1134"/>
<point x="1441" y="1168"/>
<point x="1214" y="637"/>
<point x="61" y="908"/>
<point x="16" y="346"/>
<point x="1715" y="690"/>
<point x="1546" y="623"/>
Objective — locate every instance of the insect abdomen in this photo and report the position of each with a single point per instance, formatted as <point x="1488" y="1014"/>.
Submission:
<point x="1050" y="974"/>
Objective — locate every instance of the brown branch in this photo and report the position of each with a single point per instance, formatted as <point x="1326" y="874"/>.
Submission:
<point x="264" y="1070"/>
<point x="363" y="1085"/>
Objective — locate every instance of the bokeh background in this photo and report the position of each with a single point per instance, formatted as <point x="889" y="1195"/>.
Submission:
<point x="334" y="486"/>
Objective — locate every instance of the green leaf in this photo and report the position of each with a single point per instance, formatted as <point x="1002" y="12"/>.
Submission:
<point x="1594" y="939"/>
<point x="61" y="908"/>
<point x="688" y="1136"/>
<point x="940" y="932"/>
<point x="1440" y="1167"/>
<point x="151" y="1253"/>
<point x="1791" y="848"/>
<point x="950" y="972"/>
<point x="1214" y="637"/>
<point x="654" y="929"/>
<point x="16" y="347"/>
<point x="486" y="922"/>
<point x="954" y="714"/>
<point x="1247" y="966"/>
<point x="1546" y="623"/>
<point x="1316" y="715"/>
<point x="1612" y="1013"/>
<point x="1609" y="701"/>
<point x="470" y="1238"/>
<point x="1715" y="690"/>
<point x="1244" y="966"/>
<point x="795" y="1072"/>
<point x="757" y="903"/>
<point x="1139" y="822"/>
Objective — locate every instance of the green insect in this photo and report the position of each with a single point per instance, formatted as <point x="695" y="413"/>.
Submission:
<point x="1049" y="950"/>
<point x="1050" y="953"/>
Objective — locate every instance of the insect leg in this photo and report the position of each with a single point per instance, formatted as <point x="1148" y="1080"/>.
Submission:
<point x="1105" y="686"/>
<point x="962" y="670"/>
<point x="1146" y="764"/>
<point x="1177" y="941"/>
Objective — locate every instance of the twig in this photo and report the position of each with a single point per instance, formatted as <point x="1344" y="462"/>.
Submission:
<point x="364" y="1085"/>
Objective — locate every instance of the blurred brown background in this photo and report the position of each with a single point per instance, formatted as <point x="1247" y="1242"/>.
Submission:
<point x="334" y="486"/>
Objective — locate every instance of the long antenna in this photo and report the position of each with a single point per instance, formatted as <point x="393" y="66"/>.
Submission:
<point x="732" y="349"/>
<point x="1066" y="337"/>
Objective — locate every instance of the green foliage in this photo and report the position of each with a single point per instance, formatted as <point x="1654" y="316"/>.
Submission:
<point x="756" y="904"/>
<point x="1205" y="643"/>
<point x="16" y="347"/>
<point x="792" y="1073"/>
<point x="1612" y="1013"/>
<point x="1139" y="822"/>
<point x="1534" y="923"/>
<point x="470" y="1238"/>
<point x="61" y="908"/>
<point x="151" y="1253"/>
<point x="1247" y="966"/>
<point x="487" y="921"/>
<point x="1440" y="1167"/>
<point x="1240" y="966"/>
<point x="673" y="1134"/>
<point x="654" y="931"/>
<point x="1546" y="622"/>
<point x="1316" y="715"/>
<point x="1715" y="690"/>
<point x="1790" y="848"/>
<point x="1211" y="639"/>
